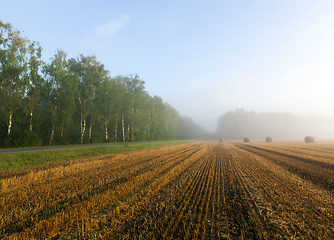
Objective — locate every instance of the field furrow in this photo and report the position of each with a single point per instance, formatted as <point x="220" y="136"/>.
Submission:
<point x="293" y="208"/>
<point x="197" y="190"/>
<point x="320" y="173"/>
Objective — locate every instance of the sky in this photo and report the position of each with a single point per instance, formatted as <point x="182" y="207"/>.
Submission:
<point x="204" y="58"/>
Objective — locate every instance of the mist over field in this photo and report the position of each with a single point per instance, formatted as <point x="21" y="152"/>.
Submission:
<point x="237" y="124"/>
<point x="205" y="61"/>
<point x="167" y="119"/>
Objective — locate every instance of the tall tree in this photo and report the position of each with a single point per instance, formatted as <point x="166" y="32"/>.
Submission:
<point x="172" y="117"/>
<point x="35" y="80"/>
<point x="119" y="98"/>
<point x="133" y="97"/>
<point x="13" y="49"/>
<point x="61" y="85"/>
<point x="106" y="97"/>
<point x="91" y="73"/>
<point x="158" y="118"/>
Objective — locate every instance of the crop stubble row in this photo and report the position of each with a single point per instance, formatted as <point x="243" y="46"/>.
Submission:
<point x="188" y="191"/>
<point x="302" y="208"/>
<point x="19" y="212"/>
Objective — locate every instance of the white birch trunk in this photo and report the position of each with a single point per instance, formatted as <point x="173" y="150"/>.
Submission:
<point x="82" y="122"/>
<point x="9" y="123"/>
<point x="123" y="128"/>
<point x="62" y="132"/>
<point x="10" y="109"/>
<point x="83" y="130"/>
<point x="52" y="132"/>
<point x="106" y="128"/>
<point x="30" y="121"/>
<point x="116" y="130"/>
<point x="128" y="132"/>
<point x="90" y="133"/>
<point x="80" y="116"/>
<point x="132" y="132"/>
<point x="53" y="126"/>
<point x="148" y="126"/>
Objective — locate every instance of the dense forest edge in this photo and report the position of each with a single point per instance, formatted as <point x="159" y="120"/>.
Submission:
<point x="76" y="101"/>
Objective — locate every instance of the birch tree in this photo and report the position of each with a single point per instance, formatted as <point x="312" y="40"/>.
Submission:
<point x="106" y="104"/>
<point x="118" y="103"/>
<point x="61" y="85"/>
<point x="90" y="73"/>
<point x="13" y="49"/>
<point x="35" y="80"/>
<point x="135" y="91"/>
<point x="157" y="118"/>
<point x="172" y="117"/>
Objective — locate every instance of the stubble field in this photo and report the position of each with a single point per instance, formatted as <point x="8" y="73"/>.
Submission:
<point x="197" y="190"/>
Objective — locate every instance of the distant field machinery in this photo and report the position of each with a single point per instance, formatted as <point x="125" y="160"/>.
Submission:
<point x="269" y="139"/>
<point x="221" y="139"/>
<point x="246" y="139"/>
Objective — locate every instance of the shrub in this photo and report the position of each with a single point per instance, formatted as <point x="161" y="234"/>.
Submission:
<point x="26" y="138"/>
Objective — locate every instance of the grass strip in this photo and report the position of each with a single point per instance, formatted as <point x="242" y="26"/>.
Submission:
<point x="13" y="161"/>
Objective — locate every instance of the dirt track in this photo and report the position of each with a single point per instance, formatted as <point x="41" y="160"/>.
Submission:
<point x="34" y="149"/>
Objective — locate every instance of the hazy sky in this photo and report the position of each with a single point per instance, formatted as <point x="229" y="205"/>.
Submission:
<point x="202" y="57"/>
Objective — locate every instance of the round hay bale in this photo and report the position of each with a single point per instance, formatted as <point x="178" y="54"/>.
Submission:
<point x="269" y="139"/>
<point x="246" y="139"/>
<point x="221" y="139"/>
<point x="309" y="139"/>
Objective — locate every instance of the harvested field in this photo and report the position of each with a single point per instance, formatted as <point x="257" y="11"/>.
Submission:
<point x="198" y="190"/>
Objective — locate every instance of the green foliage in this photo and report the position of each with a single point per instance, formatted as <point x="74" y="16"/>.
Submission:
<point x="26" y="138"/>
<point x="13" y="64"/>
<point x="72" y="101"/>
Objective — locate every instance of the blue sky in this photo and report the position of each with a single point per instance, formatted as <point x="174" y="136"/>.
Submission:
<point x="202" y="57"/>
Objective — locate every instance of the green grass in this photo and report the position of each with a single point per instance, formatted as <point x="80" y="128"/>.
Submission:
<point x="13" y="161"/>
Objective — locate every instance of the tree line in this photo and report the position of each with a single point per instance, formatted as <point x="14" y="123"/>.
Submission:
<point x="73" y="101"/>
<point x="237" y="124"/>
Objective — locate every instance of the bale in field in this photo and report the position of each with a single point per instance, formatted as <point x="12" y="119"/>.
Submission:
<point x="221" y="139"/>
<point x="309" y="139"/>
<point x="246" y="139"/>
<point x="269" y="139"/>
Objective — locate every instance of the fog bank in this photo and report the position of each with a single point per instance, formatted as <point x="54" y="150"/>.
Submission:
<point x="237" y="124"/>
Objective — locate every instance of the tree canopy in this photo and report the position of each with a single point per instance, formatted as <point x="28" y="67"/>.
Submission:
<point x="73" y="101"/>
